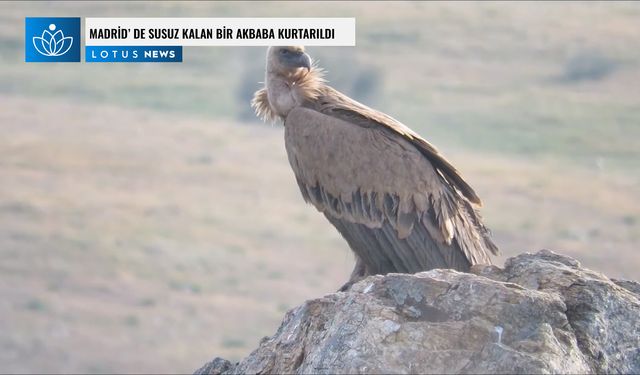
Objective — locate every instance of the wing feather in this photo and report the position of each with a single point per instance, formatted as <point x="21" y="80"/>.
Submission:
<point x="339" y="105"/>
<point x="394" y="208"/>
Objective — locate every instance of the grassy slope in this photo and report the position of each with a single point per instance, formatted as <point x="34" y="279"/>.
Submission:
<point x="149" y="239"/>
<point x="131" y="233"/>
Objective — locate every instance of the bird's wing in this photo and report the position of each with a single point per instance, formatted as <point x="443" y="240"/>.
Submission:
<point x="338" y="105"/>
<point x="363" y="173"/>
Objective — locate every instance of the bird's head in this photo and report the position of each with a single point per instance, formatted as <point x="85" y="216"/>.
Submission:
<point x="288" y="60"/>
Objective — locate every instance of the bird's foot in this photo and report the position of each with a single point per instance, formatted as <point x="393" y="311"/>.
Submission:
<point x="346" y="286"/>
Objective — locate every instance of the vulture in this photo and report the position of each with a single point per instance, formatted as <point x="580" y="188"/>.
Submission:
<point x="398" y="203"/>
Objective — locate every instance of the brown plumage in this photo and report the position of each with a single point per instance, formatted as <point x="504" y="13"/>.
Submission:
<point x="400" y="205"/>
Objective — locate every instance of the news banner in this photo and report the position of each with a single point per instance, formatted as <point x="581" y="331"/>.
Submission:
<point x="108" y="40"/>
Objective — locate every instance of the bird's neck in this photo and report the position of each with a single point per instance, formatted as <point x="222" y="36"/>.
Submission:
<point x="283" y="94"/>
<point x="287" y="92"/>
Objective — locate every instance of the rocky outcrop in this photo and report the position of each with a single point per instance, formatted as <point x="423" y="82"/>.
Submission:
<point x="542" y="313"/>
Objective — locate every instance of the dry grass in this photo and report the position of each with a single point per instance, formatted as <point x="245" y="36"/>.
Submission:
<point x="129" y="231"/>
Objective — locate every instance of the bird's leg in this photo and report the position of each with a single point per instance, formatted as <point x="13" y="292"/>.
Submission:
<point x="359" y="272"/>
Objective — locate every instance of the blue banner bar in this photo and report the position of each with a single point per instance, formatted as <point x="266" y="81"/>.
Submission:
<point x="133" y="54"/>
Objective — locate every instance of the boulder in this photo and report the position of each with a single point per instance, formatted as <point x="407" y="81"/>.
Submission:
<point x="542" y="313"/>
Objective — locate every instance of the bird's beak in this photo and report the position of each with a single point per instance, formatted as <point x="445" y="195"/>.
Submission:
<point x="305" y="61"/>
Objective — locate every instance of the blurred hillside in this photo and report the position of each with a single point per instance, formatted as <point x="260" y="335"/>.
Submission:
<point x="142" y="207"/>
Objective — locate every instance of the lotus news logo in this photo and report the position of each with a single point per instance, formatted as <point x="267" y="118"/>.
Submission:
<point x="52" y="39"/>
<point x="55" y="44"/>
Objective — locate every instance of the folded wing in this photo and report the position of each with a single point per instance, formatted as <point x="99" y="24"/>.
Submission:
<point x="399" y="204"/>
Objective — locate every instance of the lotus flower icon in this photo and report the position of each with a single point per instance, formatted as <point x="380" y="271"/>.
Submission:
<point x="55" y="44"/>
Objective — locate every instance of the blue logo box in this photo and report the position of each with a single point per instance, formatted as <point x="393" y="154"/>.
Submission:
<point x="133" y="54"/>
<point x="52" y="39"/>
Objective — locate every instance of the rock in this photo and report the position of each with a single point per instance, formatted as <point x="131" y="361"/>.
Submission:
<point x="542" y="313"/>
<point x="217" y="366"/>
